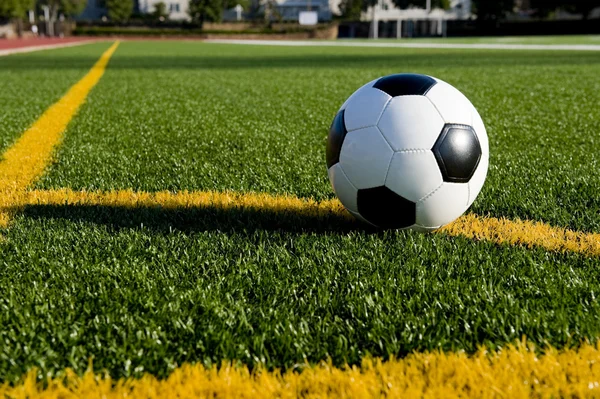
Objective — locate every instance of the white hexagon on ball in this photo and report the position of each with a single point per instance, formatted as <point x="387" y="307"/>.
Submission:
<point x="358" y="93"/>
<point x="410" y="123"/>
<point x="452" y="105"/>
<point x="413" y="174"/>
<point x="442" y="206"/>
<point x="365" y="109"/>
<point x="365" y="157"/>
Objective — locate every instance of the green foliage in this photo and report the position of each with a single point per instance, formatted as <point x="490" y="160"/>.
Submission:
<point x="73" y="7"/>
<point x="160" y="11"/>
<point x="227" y="4"/>
<point x="212" y="10"/>
<point x="119" y="10"/>
<point x="492" y="10"/>
<point x="584" y="7"/>
<point x="143" y="290"/>
<point x="205" y="10"/>
<point x="70" y="8"/>
<point x="352" y="9"/>
<point x="15" y="8"/>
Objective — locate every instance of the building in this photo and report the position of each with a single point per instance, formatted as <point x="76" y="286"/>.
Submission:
<point x="177" y="9"/>
<point x="289" y="10"/>
<point x="414" y="21"/>
<point x="385" y="10"/>
<point x="286" y="10"/>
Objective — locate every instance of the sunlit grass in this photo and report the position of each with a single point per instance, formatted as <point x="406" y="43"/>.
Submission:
<point x="148" y="289"/>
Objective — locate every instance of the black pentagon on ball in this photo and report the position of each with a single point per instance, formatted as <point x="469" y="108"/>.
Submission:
<point x="335" y="139"/>
<point x="457" y="152"/>
<point x="386" y="209"/>
<point x="405" y="84"/>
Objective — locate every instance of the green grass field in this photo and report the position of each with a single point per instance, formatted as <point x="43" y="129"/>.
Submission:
<point x="564" y="39"/>
<point x="147" y="289"/>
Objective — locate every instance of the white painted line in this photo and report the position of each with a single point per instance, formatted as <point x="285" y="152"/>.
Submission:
<point x="566" y="47"/>
<point x="30" y="49"/>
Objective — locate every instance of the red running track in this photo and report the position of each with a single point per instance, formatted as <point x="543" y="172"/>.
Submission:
<point x="7" y="44"/>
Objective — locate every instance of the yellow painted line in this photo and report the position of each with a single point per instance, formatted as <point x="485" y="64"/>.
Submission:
<point x="515" y="371"/>
<point x="25" y="161"/>
<point x="524" y="232"/>
<point x="186" y="199"/>
<point x="501" y="231"/>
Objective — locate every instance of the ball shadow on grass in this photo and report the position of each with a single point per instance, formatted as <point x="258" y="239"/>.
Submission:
<point x="166" y="220"/>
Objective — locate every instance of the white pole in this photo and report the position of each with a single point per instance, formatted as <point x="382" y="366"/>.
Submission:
<point x="374" y="24"/>
<point x="375" y="29"/>
<point x="399" y="29"/>
<point x="47" y="20"/>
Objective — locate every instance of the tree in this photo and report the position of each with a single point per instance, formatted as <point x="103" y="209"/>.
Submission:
<point x="69" y="8"/>
<point x="72" y="8"/>
<point x="227" y="4"/>
<point x="584" y="7"/>
<point x="205" y="10"/>
<point x="119" y="10"/>
<point x="16" y="10"/>
<point x="492" y="10"/>
<point x="351" y="9"/>
<point x="160" y="11"/>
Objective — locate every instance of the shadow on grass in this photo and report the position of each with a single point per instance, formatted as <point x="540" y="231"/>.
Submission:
<point x="197" y="219"/>
<point x="397" y="60"/>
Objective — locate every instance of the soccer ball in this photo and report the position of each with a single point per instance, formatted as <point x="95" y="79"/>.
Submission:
<point x="407" y="151"/>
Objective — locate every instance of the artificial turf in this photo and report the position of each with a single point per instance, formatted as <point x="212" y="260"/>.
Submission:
<point x="147" y="289"/>
<point x="561" y="39"/>
<point x="173" y="116"/>
<point x="29" y="84"/>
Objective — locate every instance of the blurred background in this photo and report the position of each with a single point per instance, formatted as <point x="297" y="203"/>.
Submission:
<point x="297" y="19"/>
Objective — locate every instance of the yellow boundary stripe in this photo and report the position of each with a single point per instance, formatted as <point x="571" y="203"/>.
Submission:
<point x="189" y="199"/>
<point x="524" y="232"/>
<point x="25" y="161"/>
<point x="514" y="232"/>
<point x="515" y="371"/>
